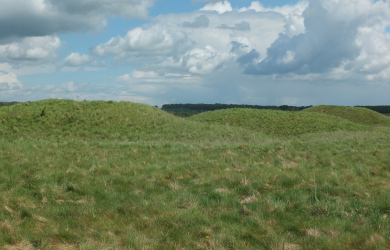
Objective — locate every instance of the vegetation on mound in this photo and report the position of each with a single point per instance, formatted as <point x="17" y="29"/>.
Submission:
<point x="100" y="120"/>
<point x="354" y="114"/>
<point x="278" y="123"/>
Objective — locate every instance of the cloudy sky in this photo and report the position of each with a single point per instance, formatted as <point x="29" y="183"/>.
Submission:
<point x="294" y="52"/>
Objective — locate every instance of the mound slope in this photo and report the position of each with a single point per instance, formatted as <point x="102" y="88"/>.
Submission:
<point x="71" y="118"/>
<point x="278" y="123"/>
<point x="354" y="114"/>
<point x="101" y="120"/>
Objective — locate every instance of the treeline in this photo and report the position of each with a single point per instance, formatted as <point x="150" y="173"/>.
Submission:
<point x="201" y="107"/>
<point x="380" y="109"/>
<point x="7" y="103"/>
<point x="185" y="110"/>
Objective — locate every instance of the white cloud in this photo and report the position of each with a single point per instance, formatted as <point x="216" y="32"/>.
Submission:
<point x="166" y="45"/>
<point x="256" y="6"/>
<point x="285" y="9"/>
<point x="31" y="49"/>
<point x="205" y="61"/>
<point x="9" y="82"/>
<point x="76" y="59"/>
<point x="295" y="23"/>
<point x="374" y="58"/>
<point x="144" y="74"/>
<point x="220" y="7"/>
<point x="157" y="40"/>
<point x="329" y="39"/>
<point x="69" y="86"/>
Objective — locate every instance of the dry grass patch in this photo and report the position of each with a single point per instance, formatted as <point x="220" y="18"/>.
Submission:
<point x="287" y="246"/>
<point x="374" y="240"/>
<point x="21" y="245"/>
<point x="249" y="199"/>
<point x="312" y="232"/>
<point x="222" y="190"/>
<point x="9" y="229"/>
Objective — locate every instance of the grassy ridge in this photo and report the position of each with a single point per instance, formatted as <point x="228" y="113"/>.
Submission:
<point x="67" y="118"/>
<point x="278" y="123"/>
<point x="354" y="114"/>
<point x="170" y="183"/>
<point x="99" y="120"/>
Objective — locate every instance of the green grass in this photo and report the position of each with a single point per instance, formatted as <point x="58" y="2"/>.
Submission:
<point x="278" y="123"/>
<point x="354" y="114"/>
<point x="106" y="121"/>
<point x="162" y="182"/>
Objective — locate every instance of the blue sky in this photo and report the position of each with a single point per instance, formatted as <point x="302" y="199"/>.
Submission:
<point x="294" y="52"/>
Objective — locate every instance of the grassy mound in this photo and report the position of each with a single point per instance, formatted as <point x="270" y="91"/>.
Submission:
<point x="355" y="114"/>
<point x="65" y="118"/>
<point x="101" y="120"/>
<point x="278" y="123"/>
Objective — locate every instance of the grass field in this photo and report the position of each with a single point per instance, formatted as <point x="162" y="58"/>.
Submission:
<point x="108" y="175"/>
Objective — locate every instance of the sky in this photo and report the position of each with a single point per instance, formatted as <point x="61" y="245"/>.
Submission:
<point x="285" y="52"/>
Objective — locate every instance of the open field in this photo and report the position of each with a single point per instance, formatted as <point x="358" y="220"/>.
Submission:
<point x="107" y="175"/>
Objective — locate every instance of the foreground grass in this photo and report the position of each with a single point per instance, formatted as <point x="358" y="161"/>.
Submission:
<point x="327" y="190"/>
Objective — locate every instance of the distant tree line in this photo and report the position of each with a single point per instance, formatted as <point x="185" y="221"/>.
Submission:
<point x="7" y="103"/>
<point x="201" y="107"/>
<point x="380" y="109"/>
<point x="185" y="110"/>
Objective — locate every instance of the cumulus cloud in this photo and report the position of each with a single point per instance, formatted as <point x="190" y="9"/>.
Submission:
<point x="204" y="61"/>
<point x="220" y="7"/>
<point x="374" y="59"/>
<point x="157" y="40"/>
<point x="174" y="43"/>
<point x="75" y="59"/>
<point x="285" y="9"/>
<point x="200" y="22"/>
<point x="71" y="87"/>
<point x="9" y="81"/>
<point x="31" y="49"/>
<point x="329" y="39"/>
<point x="295" y="23"/>
<point x="28" y="18"/>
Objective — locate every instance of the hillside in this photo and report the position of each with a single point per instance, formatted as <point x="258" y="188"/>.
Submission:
<point x="99" y="120"/>
<point x="278" y="123"/>
<point x="354" y="114"/>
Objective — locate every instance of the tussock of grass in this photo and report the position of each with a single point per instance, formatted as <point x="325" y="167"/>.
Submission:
<point x="354" y="114"/>
<point x="168" y="183"/>
<point x="278" y="123"/>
